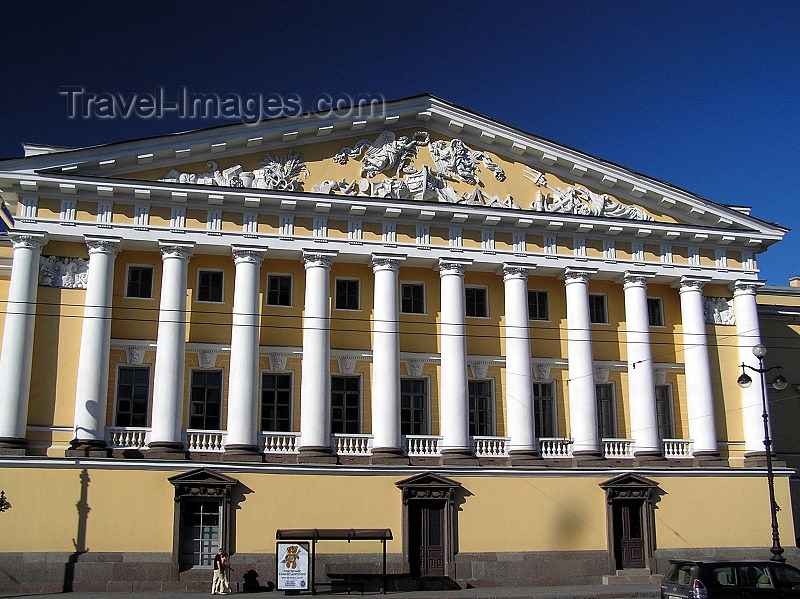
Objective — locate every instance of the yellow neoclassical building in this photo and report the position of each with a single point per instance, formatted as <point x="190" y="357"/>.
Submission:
<point x="518" y="357"/>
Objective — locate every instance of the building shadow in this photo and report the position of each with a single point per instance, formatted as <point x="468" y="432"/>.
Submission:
<point x="79" y="542"/>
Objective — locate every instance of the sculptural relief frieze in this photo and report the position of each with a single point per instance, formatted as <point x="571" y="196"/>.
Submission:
<point x="387" y="152"/>
<point x="66" y="273"/>
<point x="456" y="161"/>
<point x="282" y="174"/>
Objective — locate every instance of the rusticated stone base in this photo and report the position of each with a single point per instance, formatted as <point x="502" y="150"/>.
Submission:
<point x="162" y="450"/>
<point x="12" y="446"/>
<point x="524" y="458"/>
<point x="458" y="457"/>
<point x="388" y="455"/>
<point x="87" y="448"/>
<point x="242" y="453"/>
<point x="661" y="557"/>
<point x="316" y="455"/>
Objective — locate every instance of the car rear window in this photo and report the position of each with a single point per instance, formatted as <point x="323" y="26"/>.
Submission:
<point x="757" y="577"/>
<point x="722" y="576"/>
<point x="679" y="574"/>
<point x="786" y="577"/>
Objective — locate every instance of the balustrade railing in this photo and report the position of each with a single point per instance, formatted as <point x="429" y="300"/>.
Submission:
<point x="279" y="442"/>
<point x="618" y="448"/>
<point x="347" y="444"/>
<point x="202" y="440"/>
<point x="554" y="447"/>
<point x="490" y="447"/>
<point x="423" y="445"/>
<point x="678" y="449"/>
<point x="127" y="437"/>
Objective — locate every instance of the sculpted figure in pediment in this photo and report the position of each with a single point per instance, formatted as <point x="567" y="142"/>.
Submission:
<point x="212" y="177"/>
<point x="458" y="162"/>
<point x="275" y="173"/>
<point x="386" y="152"/>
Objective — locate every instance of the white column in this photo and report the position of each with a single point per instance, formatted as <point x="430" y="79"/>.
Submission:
<point x="519" y="382"/>
<point x="641" y="382"/>
<point x="315" y="389"/>
<point x="386" y="361"/>
<point x="91" y="393"/>
<point x="17" y="355"/>
<point x="168" y="384"/>
<point x="243" y="388"/>
<point x="582" y="398"/>
<point x="697" y="366"/>
<point x="453" y="389"/>
<point x="748" y="334"/>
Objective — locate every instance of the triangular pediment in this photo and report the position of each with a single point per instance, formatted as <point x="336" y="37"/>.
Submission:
<point x="202" y="477"/>
<point x="628" y="480"/>
<point x="428" y="480"/>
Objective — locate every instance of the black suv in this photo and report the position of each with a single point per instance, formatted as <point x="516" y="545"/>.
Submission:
<point x="726" y="579"/>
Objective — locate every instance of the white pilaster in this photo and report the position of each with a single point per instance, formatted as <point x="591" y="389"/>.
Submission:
<point x="17" y="355"/>
<point x="697" y="366"/>
<point x="748" y="335"/>
<point x="91" y="393"/>
<point x="453" y="391"/>
<point x="386" y="358"/>
<point x="641" y="382"/>
<point x="315" y="389"/>
<point x="582" y="398"/>
<point x="168" y="384"/>
<point x="519" y="379"/>
<point x="243" y="390"/>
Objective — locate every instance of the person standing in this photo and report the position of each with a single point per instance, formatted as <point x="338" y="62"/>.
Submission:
<point x="220" y="581"/>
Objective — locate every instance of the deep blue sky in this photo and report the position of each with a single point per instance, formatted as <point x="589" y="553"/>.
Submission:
<point x="704" y="95"/>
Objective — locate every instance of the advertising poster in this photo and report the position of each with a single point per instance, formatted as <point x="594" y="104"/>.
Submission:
<point x="292" y="561"/>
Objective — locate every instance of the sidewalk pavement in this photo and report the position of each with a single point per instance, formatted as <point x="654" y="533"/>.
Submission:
<point x="593" y="591"/>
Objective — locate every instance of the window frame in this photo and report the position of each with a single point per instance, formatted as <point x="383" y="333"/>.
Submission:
<point x="546" y="306"/>
<point x="651" y="301"/>
<point x="210" y="271"/>
<point x="485" y="292"/>
<point x="360" y="426"/>
<point x="427" y="401"/>
<point x="289" y="374"/>
<point x="189" y="415"/>
<point x="492" y="408"/>
<point x="343" y="280"/>
<point x="613" y="410"/>
<point x="278" y="275"/>
<point x="149" y="370"/>
<point x="128" y="268"/>
<point x="554" y="409"/>
<point x="424" y="298"/>
<point x="598" y="296"/>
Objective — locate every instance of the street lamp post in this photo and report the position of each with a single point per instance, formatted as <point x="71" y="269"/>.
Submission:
<point x="759" y="351"/>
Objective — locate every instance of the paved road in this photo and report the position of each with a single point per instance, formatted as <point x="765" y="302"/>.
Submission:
<point x="564" y="592"/>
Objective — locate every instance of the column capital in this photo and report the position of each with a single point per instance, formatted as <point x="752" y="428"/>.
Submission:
<point x="578" y="275"/>
<point x="692" y="283"/>
<point x="176" y="249"/>
<point x="23" y="239"/>
<point x="633" y="278"/>
<point x="747" y="287"/>
<point x="318" y="258"/>
<point x="453" y="266"/>
<point x="103" y="245"/>
<point x="386" y="262"/>
<point x="253" y="255"/>
<point x="512" y="270"/>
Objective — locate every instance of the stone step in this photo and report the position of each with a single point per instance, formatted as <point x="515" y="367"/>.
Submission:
<point x="631" y="576"/>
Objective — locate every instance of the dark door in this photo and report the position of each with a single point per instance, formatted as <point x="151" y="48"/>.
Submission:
<point x="426" y="538"/>
<point x="628" y="534"/>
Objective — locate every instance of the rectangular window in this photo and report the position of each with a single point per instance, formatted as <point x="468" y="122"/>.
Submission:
<point x="200" y="533"/>
<point x="140" y="282"/>
<point x="477" y="302"/>
<point x="276" y="402"/>
<point x="544" y="410"/>
<point x="209" y="285"/>
<point x="206" y="400"/>
<point x="655" y="311"/>
<point x="537" y="305"/>
<point x="481" y="408"/>
<point x="348" y="294"/>
<point x="279" y="290"/>
<point x="666" y="427"/>
<point x="413" y="406"/>
<point x="345" y="404"/>
<point x="413" y="298"/>
<point x="606" y="420"/>
<point x="133" y="391"/>
<point x="597" y="309"/>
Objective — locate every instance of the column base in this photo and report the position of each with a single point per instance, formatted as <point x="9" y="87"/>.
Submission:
<point x="87" y="448"/>
<point x="588" y="458"/>
<point x="242" y="453"/>
<point x="708" y="458"/>
<point x="165" y="450"/>
<point x="13" y="446"/>
<point x="648" y="458"/>
<point x="524" y="457"/>
<point x="758" y="459"/>
<point x="458" y="457"/>
<point x="316" y="455"/>
<point x="388" y="455"/>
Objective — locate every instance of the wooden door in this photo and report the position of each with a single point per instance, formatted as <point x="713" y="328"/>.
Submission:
<point x="628" y="534"/>
<point x="427" y="538"/>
